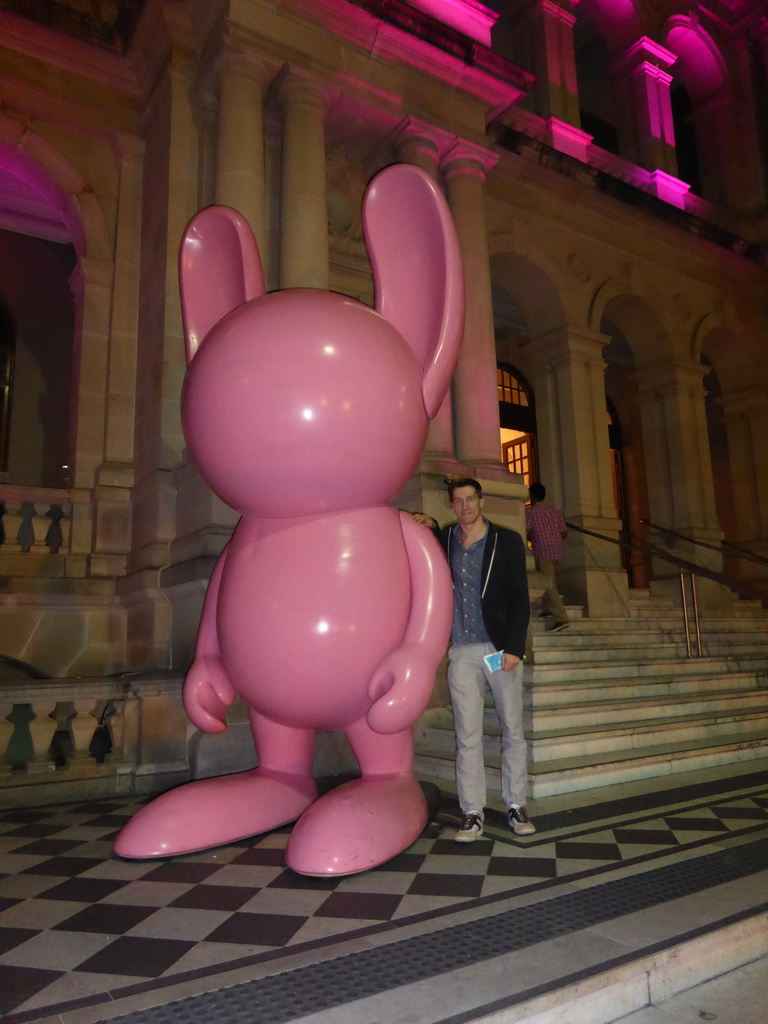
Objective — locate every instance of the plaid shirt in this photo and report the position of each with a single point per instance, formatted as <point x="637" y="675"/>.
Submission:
<point x="545" y="527"/>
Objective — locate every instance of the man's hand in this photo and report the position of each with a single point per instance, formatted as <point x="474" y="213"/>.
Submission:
<point x="423" y="519"/>
<point x="509" y="661"/>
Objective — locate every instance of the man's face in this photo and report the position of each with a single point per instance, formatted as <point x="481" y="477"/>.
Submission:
<point x="467" y="505"/>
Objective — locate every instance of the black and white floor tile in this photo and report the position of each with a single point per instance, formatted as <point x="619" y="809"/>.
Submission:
<point x="75" y="922"/>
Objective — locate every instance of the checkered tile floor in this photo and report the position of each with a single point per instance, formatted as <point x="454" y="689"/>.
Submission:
<point x="76" y="923"/>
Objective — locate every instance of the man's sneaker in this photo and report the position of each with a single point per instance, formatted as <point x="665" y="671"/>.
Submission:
<point x="559" y="627"/>
<point x="471" y="828"/>
<point x="519" y="822"/>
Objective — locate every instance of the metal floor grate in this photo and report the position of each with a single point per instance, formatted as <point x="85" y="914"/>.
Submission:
<point x="284" y="997"/>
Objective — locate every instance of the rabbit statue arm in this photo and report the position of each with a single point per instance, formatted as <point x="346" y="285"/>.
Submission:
<point x="208" y="690"/>
<point x="402" y="684"/>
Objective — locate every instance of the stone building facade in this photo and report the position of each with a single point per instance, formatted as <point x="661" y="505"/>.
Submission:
<point x="606" y="163"/>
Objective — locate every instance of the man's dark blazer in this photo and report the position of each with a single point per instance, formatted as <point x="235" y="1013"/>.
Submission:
<point x="504" y="591"/>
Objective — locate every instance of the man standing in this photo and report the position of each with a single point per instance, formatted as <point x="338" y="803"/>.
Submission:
<point x="490" y="614"/>
<point x="546" y="531"/>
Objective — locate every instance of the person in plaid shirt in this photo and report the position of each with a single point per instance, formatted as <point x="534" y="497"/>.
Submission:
<point x="546" y="531"/>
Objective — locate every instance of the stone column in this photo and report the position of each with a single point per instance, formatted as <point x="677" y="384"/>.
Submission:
<point x="240" y="179"/>
<point x="556" y="90"/>
<point x="643" y="85"/>
<point x="475" y="396"/>
<point x="91" y="282"/>
<point x="746" y="424"/>
<point x="112" y="508"/>
<point x="419" y="143"/>
<point x="729" y="164"/>
<point x="575" y="462"/>
<point x="681" y="491"/>
<point x="304" y="204"/>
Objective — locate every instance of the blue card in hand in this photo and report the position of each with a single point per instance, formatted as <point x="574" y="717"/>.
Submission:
<point x="493" y="661"/>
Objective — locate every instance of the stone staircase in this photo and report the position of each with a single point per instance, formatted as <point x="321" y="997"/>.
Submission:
<point x="616" y="700"/>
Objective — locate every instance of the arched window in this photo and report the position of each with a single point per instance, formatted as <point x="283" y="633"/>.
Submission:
<point x="517" y="417"/>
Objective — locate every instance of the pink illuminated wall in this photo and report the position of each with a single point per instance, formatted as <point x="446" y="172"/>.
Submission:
<point x="473" y="19"/>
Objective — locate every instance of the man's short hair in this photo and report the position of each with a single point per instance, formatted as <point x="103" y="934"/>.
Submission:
<point x="462" y="481"/>
<point x="538" y="492"/>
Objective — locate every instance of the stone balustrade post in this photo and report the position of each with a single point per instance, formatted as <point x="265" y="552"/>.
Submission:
<point x="82" y="725"/>
<point x="304" y="249"/>
<point x="41" y="730"/>
<point x="116" y="725"/>
<point x="475" y="396"/>
<point x="7" y="729"/>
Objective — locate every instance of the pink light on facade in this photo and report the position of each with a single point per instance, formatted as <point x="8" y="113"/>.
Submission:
<point x="466" y="16"/>
<point x="37" y="199"/>
<point x="700" y="64"/>
<point x="617" y="20"/>
<point x="672" y="190"/>
<point x="567" y="139"/>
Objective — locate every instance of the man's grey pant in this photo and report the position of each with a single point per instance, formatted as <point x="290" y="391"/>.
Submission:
<point x="467" y="678"/>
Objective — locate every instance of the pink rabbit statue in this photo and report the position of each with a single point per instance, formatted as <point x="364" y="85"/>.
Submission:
<point x="308" y="411"/>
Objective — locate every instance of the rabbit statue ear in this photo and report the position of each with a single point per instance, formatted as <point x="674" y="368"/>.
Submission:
<point x="219" y="269"/>
<point x="417" y="272"/>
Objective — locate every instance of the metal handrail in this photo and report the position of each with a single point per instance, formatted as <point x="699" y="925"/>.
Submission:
<point x="725" y="547"/>
<point x="632" y="543"/>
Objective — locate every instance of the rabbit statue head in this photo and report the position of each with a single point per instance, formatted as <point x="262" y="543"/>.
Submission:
<point x="302" y="401"/>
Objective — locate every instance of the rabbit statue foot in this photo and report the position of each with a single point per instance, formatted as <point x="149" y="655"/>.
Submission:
<point x="211" y="812"/>
<point x="358" y="826"/>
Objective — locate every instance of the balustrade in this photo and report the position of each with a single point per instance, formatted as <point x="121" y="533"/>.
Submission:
<point x="44" y="733"/>
<point x="63" y="739"/>
<point x="34" y="520"/>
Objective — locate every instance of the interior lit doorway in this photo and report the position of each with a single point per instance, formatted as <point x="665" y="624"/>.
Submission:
<point x="517" y="416"/>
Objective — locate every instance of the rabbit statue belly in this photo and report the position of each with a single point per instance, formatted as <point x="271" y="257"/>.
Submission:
<point x="307" y="412"/>
<point x="315" y="575"/>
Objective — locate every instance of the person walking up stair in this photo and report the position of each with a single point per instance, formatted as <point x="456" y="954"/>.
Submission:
<point x="547" y="531"/>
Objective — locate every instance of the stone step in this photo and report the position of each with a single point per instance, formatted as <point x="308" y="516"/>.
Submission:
<point x="565" y="693"/>
<point x="591" y="771"/>
<point x="564" y="742"/>
<point x="600" y="649"/>
<point x="570" y="738"/>
<point x="665" y="625"/>
<point x="647" y="666"/>
<point x="588" y="714"/>
<point x="595" y="770"/>
<point x="586" y="717"/>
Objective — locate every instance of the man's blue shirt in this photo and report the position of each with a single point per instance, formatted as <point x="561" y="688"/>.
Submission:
<point x="467" y="571"/>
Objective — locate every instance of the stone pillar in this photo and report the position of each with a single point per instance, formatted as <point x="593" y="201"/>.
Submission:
<point x="575" y="462"/>
<point x="240" y="176"/>
<point x="304" y="204"/>
<point x="729" y="161"/>
<point x="121" y="384"/>
<point x="681" y="491"/>
<point x="475" y="396"/>
<point x="556" y="90"/>
<point x="419" y="143"/>
<point x="112" y="504"/>
<point x="643" y="86"/>
<point x="746" y="424"/>
<point x="91" y="283"/>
